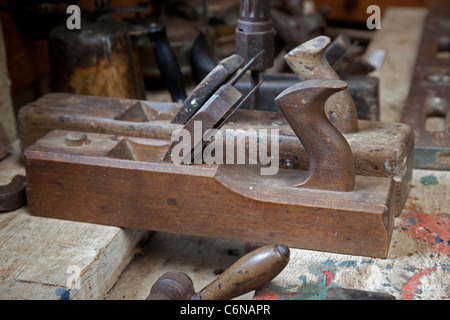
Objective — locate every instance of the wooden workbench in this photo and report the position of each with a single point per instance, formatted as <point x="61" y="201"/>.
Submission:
<point x="38" y="255"/>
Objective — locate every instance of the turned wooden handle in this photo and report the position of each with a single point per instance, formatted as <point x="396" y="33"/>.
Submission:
<point x="172" y="286"/>
<point x="309" y="62"/>
<point x="248" y="273"/>
<point x="331" y="165"/>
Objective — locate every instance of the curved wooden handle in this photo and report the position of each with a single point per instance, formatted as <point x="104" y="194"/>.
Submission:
<point x="248" y="273"/>
<point x="309" y="62"/>
<point x="331" y="165"/>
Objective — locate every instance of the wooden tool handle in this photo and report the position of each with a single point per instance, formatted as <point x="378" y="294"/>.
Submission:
<point x="309" y="62"/>
<point x="330" y="158"/>
<point x="172" y="286"/>
<point x="248" y="273"/>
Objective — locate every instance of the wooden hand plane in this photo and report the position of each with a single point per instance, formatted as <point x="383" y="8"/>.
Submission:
<point x="380" y="149"/>
<point x="123" y="181"/>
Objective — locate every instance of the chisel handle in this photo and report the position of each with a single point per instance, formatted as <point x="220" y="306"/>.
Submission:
<point x="250" y="272"/>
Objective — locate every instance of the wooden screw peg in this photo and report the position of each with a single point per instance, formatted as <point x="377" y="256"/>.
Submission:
<point x="309" y="62"/>
<point x="331" y="165"/>
<point x="250" y="272"/>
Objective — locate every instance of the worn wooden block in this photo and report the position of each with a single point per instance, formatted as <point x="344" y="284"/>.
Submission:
<point x="381" y="149"/>
<point x="122" y="181"/>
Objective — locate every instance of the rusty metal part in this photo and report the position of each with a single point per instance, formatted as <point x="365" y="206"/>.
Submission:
<point x="212" y="114"/>
<point x="203" y="91"/>
<point x="231" y="113"/>
<point x="250" y="272"/>
<point x="338" y="48"/>
<point x="12" y="195"/>
<point x="308" y="61"/>
<point x="427" y="108"/>
<point x="207" y="116"/>
<point x="353" y="294"/>
<point x="255" y="32"/>
<point x="331" y="165"/>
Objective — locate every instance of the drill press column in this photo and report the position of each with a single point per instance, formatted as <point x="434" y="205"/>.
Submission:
<point x="255" y="32"/>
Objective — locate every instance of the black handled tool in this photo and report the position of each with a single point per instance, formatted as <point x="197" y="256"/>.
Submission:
<point x="167" y="63"/>
<point x="250" y="272"/>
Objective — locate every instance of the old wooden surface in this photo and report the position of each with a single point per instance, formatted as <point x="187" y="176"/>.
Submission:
<point x="39" y="257"/>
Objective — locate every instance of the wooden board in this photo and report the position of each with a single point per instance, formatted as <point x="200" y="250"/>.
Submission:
<point x="399" y="37"/>
<point x="39" y="255"/>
